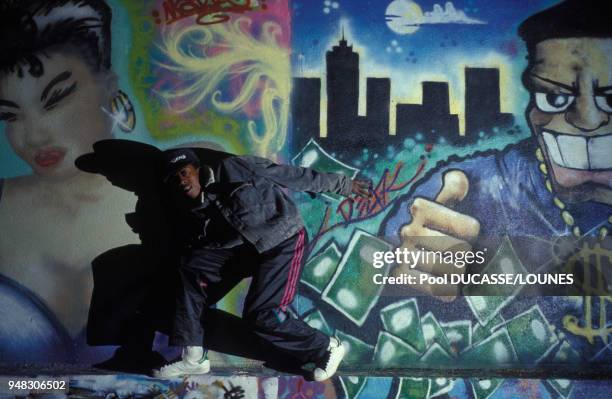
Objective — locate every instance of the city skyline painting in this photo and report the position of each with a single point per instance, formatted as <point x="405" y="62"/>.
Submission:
<point x="327" y="108"/>
<point x="450" y="37"/>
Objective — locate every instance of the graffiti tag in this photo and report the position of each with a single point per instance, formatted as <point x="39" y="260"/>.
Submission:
<point x="380" y="198"/>
<point x="207" y="12"/>
<point x="367" y="208"/>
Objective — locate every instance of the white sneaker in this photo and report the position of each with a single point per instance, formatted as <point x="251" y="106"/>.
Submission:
<point x="327" y="366"/>
<point x="187" y="365"/>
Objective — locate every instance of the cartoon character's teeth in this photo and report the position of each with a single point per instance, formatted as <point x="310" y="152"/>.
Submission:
<point x="573" y="151"/>
<point x="553" y="148"/>
<point x="579" y="152"/>
<point x="600" y="152"/>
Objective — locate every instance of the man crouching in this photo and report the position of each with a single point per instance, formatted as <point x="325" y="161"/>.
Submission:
<point x="232" y="220"/>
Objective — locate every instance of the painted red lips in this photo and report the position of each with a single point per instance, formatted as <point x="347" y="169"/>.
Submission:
<point x="49" y="157"/>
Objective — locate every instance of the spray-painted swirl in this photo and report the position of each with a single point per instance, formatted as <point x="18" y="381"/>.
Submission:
<point x="205" y="57"/>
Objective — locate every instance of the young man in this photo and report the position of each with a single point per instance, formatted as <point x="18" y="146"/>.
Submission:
<point x="232" y="220"/>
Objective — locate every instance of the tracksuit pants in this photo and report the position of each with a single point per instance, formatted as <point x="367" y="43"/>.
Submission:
<point x="208" y="274"/>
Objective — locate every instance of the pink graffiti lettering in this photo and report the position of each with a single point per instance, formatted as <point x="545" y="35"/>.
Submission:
<point x="354" y="210"/>
<point x="207" y="12"/>
<point x="378" y="201"/>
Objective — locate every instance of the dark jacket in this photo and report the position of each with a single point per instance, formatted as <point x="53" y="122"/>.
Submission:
<point x="248" y="192"/>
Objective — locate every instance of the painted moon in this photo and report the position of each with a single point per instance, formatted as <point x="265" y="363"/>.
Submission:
<point x="403" y="16"/>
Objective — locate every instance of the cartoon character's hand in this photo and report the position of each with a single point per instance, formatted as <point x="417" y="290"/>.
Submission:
<point x="435" y="226"/>
<point x="361" y="188"/>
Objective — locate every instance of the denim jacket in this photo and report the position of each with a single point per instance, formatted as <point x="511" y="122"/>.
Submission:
<point x="248" y="192"/>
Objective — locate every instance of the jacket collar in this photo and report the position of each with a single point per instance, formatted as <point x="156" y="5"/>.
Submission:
<point x="207" y="176"/>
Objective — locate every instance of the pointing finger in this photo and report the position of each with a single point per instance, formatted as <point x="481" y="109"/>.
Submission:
<point x="454" y="188"/>
<point x="439" y="217"/>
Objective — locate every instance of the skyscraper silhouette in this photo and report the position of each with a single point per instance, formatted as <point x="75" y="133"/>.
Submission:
<point x="378" y="97"/>
<point x="342" y="88"/>
<point x="482" y="101"/>
<point x="433" y="118"/>
<point x="305" y="111"/>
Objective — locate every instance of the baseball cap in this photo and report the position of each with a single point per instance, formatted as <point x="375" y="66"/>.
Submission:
<point x="175" y="159"/>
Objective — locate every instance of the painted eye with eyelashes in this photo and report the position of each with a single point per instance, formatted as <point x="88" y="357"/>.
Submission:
<point x="553" y="102"/>
<point x="7" y="117"/>
<point x="604" y="102"/>
<point x="58" y="95"/>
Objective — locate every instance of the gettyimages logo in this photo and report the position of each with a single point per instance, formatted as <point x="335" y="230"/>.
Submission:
<point x="459" y="259"/>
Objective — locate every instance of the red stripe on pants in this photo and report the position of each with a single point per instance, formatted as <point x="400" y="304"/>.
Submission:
<point x="294" y="272"/>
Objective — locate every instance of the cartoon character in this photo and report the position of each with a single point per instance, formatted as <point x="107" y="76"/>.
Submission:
<point x="556" y="183"/>
<point x="58" y="95"/>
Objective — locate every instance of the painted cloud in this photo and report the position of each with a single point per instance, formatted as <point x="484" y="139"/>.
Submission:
<point x="447" y="15"/>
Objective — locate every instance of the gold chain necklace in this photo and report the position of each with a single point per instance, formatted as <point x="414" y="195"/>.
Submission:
<point x="567" y="217"/>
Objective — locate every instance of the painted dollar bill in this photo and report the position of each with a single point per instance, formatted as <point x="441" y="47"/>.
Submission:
<point x="319" y="269"/>
<point x="459" y="334"/>
<point x="432" y="332"/>
<point x="480" y="332"/>
<point x="436" y="355"/>
<point x="486" y="301"/>
<point x="357" y="351"/>
<point x="393" y="352"/>
<point x="352" y="291"/>
<point x="531" y="335"/>
<point x="497" y="349"/>
<point x="314" y="157"/>
<point x="566" y="354"/>
<point x="402" y="319"/>
<point x="316" y="320"/>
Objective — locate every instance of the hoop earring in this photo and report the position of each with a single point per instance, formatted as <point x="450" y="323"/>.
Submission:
<point x="122" y="112"/>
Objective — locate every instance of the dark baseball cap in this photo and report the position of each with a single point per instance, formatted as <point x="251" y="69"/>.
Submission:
<point x="175" y="159"/>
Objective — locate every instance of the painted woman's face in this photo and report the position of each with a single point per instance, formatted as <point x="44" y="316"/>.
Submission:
<point x="52" y="119"/>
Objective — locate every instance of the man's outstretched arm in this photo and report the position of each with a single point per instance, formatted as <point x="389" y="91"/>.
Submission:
<point x="299" y="178"/>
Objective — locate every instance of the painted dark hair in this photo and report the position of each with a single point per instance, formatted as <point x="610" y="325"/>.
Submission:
<point x="31" y="29"/>
<point x="569" y="19"/>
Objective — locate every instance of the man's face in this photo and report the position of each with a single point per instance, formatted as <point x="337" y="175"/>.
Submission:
<point x="186" y="181"/>
<point x="570" y="82"/>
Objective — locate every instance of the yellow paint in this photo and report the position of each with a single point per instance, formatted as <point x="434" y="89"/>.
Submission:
<point x="539" y="155"/>
<point x="588" y="327"/>
<point x="261" y="61"/>
<point x="323" y="116"/>
<point x="410" y="16"/>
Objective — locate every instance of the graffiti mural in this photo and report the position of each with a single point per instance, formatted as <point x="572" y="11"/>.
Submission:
<point x="72" y="80"/>
<point x="58" y="87"/>
<point x="432" y="110"/>
<point x="474" y="110"/>
<point x="286" y="387"/>
<point x="227" y="82"/>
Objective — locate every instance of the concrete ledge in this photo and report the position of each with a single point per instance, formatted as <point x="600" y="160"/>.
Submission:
<point x="572" y="372"/>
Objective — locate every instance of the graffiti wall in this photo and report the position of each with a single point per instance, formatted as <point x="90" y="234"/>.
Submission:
<point x="483" y="124"/>
<point x="460" y="106"/>
<point x="286" y="387"/>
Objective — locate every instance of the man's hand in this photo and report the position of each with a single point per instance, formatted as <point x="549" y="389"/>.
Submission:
<point x="361" y="188"/>
<point x="436" y="226"/>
